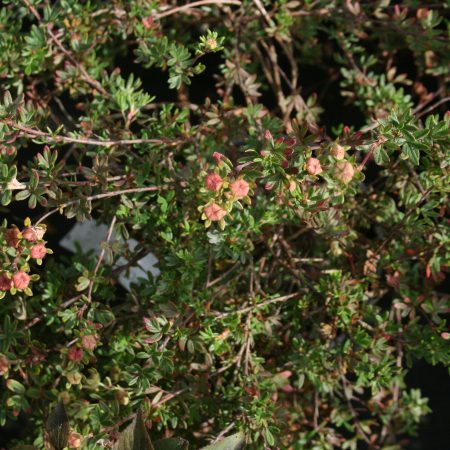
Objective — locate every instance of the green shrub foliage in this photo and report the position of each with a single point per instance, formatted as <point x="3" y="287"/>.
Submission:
<point x="301" y="257"/>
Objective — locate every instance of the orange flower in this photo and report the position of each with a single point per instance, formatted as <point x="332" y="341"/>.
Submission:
<point x="214" y="212"/>
<point x="240" y="188"/>
<point x="21" y="280"/>
<point x="213" y="182"/>
<point x="313" y="166"/>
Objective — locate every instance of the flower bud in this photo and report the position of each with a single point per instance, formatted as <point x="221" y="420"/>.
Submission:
<point x="344" y="171"/>
<point x="338" y="151"/>
<point x="313" y="166"/>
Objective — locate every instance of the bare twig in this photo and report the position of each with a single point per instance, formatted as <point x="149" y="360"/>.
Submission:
<point x="100" y="259"/>
<point x="192" y="5"/>
<point x="97" y="197"/>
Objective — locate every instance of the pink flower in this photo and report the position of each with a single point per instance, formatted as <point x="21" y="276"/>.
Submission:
<point x="11" y="236"/>
<point x="75" y="354"/>
<point x="218" y="156"/>
<point x="5" y="283"/>
<point x="240" y="188"/>
<point x="344" y="171"/>
<point x="213" y="182"/>
<point x="313" y="166"/>
<point x="445" y="335"/>
<point x="38" y="251"/>
<point x="338" y="151"/>
<point x="267" y="135"/>
<point x="74" y="440"/>
<point x="89" y="342"/>
<point x="214" y="212"/>
<point x="21" y="280"/>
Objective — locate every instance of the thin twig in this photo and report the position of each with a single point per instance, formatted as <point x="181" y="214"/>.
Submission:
<point x="30" y="132"/>
<point x="97" y="197"/>
<point x="100" y="259"/>
<point x="194" y="5"/>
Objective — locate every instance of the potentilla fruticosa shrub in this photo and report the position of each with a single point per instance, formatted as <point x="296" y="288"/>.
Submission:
<point x="302" y="249"/>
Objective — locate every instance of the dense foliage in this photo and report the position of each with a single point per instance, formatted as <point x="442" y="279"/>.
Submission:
<point x="300" y="264"/>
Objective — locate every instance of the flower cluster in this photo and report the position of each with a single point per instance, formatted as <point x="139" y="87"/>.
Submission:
<point x="224" y="190"/>
<point x="18" y="248"/>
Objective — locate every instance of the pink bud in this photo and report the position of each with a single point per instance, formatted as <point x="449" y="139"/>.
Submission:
<point x="240" y="188"/>
<point x="338" y="151"/>
<point x="280" y="140"/>
<point x="38" y="251"/>
<point x="344" y="171"/>
<point x="313" y="166"/>
<point x="5" y="283"/>
<point x="11" y="236"/>
<point x="21" y="280"/>
<point x="4" y="364"/>
<point x="89" y="342"/>
<point x="445" y="335"/>
<point x="147" y="22"/>
<point x="214" y="212"/>
<point x="267" y="135"/>
<point x="218" y="156"/>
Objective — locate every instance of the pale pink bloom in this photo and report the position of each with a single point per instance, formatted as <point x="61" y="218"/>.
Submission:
<point x="214" y="212"/>
<point x="38" y="251"/>
<point x="89" y="342"/>
<point x="240" y="188"/>
<point x="344" y="171"/>
<point x="267" y="134"/>
<point x="75" y="354"/>
<point x="445" y="335"/>
<point x="313" y="166"/>
<point x="21" y="280"/>
<point x="5" y="283"/>
<point x="338" y="151"/>
<point x="213" y="182"/>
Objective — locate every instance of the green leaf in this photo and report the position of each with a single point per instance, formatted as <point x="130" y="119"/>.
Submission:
<point x="135" y="436"/>
<point x="15" y="386"/>
<point x="57" y="427"/>
<point x="412" y="153"/>
<point x="233" y="442"/>
<point x="172" y="444"/>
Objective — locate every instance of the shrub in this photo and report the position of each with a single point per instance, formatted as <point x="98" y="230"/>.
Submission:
<point x="301" y="224"/>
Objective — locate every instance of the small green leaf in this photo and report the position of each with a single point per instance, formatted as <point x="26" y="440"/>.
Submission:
<point x="57" y="427"/>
